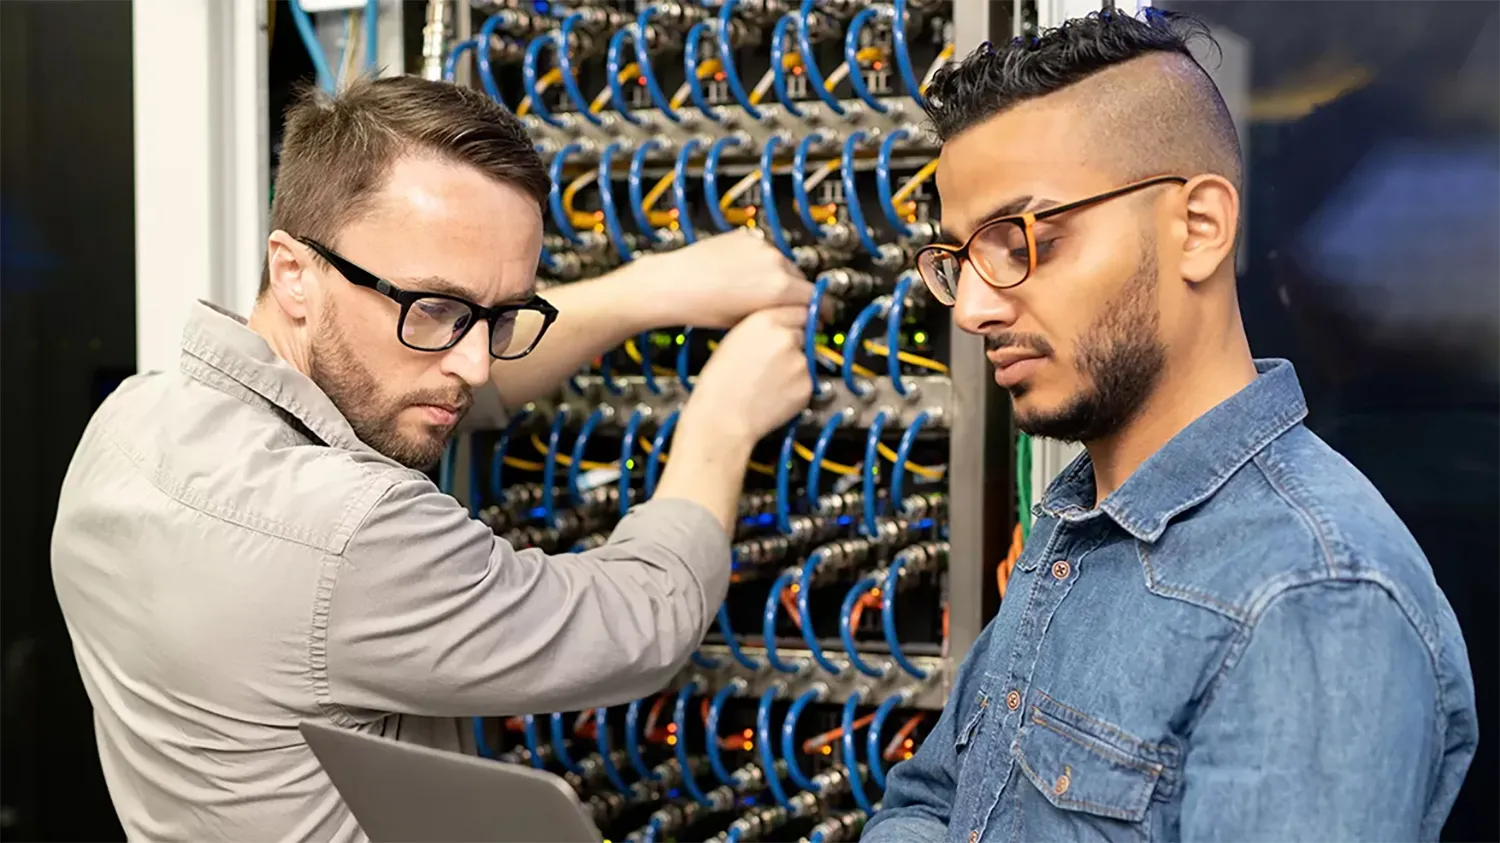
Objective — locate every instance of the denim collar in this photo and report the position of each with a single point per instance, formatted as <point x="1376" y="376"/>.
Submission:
<point x="1192" y="465"/>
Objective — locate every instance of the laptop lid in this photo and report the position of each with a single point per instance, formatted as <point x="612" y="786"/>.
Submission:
<point x="402" y="792"/>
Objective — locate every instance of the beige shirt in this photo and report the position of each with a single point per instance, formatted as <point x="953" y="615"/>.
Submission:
<point x="231" y="561"/>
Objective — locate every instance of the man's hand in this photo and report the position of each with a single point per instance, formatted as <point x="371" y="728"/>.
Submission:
<point x="757" y="378"/>
<point x="720" y="280"/>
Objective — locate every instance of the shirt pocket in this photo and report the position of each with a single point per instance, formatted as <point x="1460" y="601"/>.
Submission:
<point x="1083" y="768"/>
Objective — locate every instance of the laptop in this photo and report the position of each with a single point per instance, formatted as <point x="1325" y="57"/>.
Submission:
<point x="402" y="792"/>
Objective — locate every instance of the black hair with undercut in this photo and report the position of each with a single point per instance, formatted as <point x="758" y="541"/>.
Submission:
<point x="994" y="79"/>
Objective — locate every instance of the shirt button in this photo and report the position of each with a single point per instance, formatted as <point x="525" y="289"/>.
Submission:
<point x="1061" y="569"/>
<point x="1061" y="786"/>
<point x="1013" y="700"/>
<point x="973" y="837"/>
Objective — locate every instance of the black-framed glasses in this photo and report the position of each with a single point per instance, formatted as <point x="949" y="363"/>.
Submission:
<point x="1003" y="250"/>
<point x="438" y="322"/>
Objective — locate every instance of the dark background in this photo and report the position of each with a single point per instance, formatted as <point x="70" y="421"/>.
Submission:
<point x="1373" y="263"/>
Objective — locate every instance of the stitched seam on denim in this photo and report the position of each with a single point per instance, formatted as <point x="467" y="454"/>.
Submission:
<point x="177" y="492"/>
<point x="1192" y="596"/>
<point x="1114" y="730"/>
<point x="1302" y="511"/>
<point x="1096" y="747"/>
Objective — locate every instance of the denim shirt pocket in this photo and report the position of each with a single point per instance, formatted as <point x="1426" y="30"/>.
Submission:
<point x="1082" y="766"/>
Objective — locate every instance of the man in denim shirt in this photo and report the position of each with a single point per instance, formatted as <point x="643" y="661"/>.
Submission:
<point x="1218" y="629"/>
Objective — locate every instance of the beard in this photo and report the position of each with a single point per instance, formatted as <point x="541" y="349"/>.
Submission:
<point x="1121" y="358"/>
<point x="374" y="414"/>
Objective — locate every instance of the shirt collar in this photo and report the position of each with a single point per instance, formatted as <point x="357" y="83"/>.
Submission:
<point x="217" y="343"/>
<point x="1193" y="464"/>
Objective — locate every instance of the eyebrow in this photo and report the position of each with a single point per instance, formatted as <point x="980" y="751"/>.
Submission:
<point x="442" y="286"/>
<point x="1009" y="208"/>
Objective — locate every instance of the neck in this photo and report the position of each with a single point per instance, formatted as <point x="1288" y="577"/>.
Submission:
<point x="280" y="334"/>
<point x="1187" y="390"/>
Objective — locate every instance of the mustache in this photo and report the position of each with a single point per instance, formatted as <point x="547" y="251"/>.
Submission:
<point x="459" y="400"/>
<point x="1015" y="339"/>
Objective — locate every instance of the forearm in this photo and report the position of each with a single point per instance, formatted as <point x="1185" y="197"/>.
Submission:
<point x="707" y="465"/>
<point x="594" y="316"/>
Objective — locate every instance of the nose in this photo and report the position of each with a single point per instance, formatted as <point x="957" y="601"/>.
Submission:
<point x="979" y="308"/>
<point x="470" y="359"/>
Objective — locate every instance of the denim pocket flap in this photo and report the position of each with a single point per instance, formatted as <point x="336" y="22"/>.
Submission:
<point x="1077" y="771"/>
<point x="970" y="729"/>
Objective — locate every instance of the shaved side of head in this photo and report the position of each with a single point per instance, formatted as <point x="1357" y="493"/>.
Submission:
<point x="1147" y="106"/>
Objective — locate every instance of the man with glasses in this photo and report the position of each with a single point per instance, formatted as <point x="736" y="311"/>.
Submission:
<point x="1217" y="629"/>
<point x="248" y="542"/>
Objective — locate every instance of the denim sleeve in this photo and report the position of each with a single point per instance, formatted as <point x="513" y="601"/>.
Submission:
<point x="919" y="791"/>
<point x="1325" y="728"/>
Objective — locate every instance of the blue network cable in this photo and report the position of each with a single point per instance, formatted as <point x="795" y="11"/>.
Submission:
<point x="810" y="61"/>
<point x="711" y="180"/>
<point x="575" y="467"/>
<point x="851" y="759"/>
<point x="627" y="455"/>
<point x="564" y="40"/>
<point x="530" y="77"/>
<point x="851" y="194"/>
<point x="767" y="748"/>
<point x="309" y="35"/>
<point x="613" y="67"/>
<point x="799" y="185"/>
<point x="679" y="719"/>
<point x="734" y="645"/>
<point x="771" y="217"/>
<point x="658" y="445"/>
<point x="804" y="610"/>
<point x="637" y="189"/>
<point x="482" y="56"/>
<point x="372" y="35"/>
<point x="606" y="754"/>
<point x="633" y="742"/>
<point x="778" y="64"/>
<point x="789" y="737"/>
<point x="450" y="64"/>
<point x="690" y="62"/>
<point x="768" y="621"/>
<point x="446" y="467"/>
<point x="872" y="737"/>
<point x="888" y="615"/>
<point x="554" y="196"/>
<point x="851" y="58"/>
<point x="481" y="744"/>
<point x="903" y="454"/>
<point x="533" y="746"/>
<point x="820" y="451"/>
<point x="684" y="360"/>
<point x="846" y="626"/>
<point x="711" y="730"/>
<point x="893" y="321"/>
<point x="903" y="54"/>
<point x="853" y="340"/>
<point x="872" y="464"/>
<point x="726" y="58"/>
<point x="549" y="466"/>
<point x="612" y="224"/>
<point x="783" y="481"/>
<point x="643" y="59"/>
<point x="560" y="745"/>
<point x="883" y="183"/>
<point x="679" y="190"/>
<point x="810" y="331"/>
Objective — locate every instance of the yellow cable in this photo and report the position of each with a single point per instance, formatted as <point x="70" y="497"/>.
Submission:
<point x="705" y="70"/>
<point x="759" y="468"/>
<point x="838" y="360"/>
<point x="548" y="79"/>
<point x="524" y="465"/>
<point x="588" y="465"/>
<point x="635" y="354"/>
<point x="898" y="199"/>
<point x="928" y="472"/>
<point x="907" y="357"/>
<point x="602" y="99"/>
<point x="828" y="465"/>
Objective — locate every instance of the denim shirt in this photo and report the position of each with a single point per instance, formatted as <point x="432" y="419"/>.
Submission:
<point x="1242" y="642"/>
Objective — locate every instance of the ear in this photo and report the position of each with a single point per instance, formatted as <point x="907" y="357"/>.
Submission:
<point x="287" y="262"/>
<point x="1212" y="209"/>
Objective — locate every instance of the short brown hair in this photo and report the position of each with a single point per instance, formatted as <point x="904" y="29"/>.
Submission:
<point x="337" y="150"/>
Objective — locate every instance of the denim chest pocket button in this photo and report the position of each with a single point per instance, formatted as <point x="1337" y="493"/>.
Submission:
<point x="1078" y="771"/>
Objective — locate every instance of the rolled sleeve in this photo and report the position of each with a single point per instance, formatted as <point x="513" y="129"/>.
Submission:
<point x="427" y="612"/>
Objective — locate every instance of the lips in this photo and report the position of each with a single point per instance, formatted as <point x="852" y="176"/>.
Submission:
<point x="1012" y="366"/>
